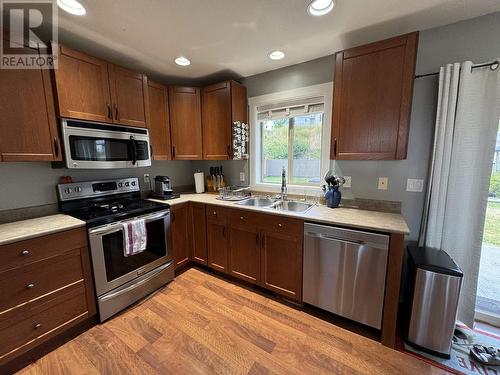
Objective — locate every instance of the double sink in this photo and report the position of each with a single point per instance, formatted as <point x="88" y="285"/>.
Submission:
<point x="279" y="205"/>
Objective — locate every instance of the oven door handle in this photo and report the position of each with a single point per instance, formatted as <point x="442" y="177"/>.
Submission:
<point x="115" y="227"/>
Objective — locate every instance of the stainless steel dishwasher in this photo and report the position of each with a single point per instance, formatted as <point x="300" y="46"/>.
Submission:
<point x="345" y="272"/>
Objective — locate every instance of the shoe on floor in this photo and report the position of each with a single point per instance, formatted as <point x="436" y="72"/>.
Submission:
<point x="487" y="355"/>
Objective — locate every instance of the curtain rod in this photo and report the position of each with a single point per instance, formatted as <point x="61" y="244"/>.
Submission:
<point x="493" y="66"/>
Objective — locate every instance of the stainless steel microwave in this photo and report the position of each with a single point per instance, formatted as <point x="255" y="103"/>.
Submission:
<point x="91" y="145"/>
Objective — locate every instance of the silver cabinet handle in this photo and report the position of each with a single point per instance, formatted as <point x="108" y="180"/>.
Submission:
<point x="279" y="225"/>
<point x="25" y="252"/>
<point x="242" y="218"/>
<point x="38" y="325"/>
<point x="30" y="286"/>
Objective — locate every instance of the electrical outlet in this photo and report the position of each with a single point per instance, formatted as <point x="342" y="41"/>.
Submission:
<point x="242" y="176"/>
<point x="146" y="178"/>
<point x="347" y="183"/>
<point x="383" y="183"/>
<point x="415" y="185"/>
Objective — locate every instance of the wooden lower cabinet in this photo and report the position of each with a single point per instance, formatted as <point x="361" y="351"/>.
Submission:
<point x="266" y="250"/>
<point x="244" y="254"/>
<point x="281" y="264"/>
<point x="199" y="232"/>
<point x="217" y="246"/>
<point x="48" y="289"/>
<point x="180" y="229"/>
<point x="217" y="238"/>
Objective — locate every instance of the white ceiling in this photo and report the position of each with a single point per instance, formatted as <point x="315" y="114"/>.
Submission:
<point x="234" y="37"/>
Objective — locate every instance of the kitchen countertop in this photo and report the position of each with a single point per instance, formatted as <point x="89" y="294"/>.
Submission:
<point x="25" y="229"/>
<point x="349" y="217"/>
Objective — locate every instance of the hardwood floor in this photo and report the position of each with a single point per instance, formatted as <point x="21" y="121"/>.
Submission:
<point x="201" y="324"/>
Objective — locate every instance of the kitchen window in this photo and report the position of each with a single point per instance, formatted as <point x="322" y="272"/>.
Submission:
<point x="290" y="130"/>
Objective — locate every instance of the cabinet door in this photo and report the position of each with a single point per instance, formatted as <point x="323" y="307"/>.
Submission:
<point x="181" y="248"/>
<point x="159" y="122"/>
<point x="129" y="94"/>
<point x="244" y="253"/>
<point x="216" y="120"/>
<point x="199" y="232"/>
<point x="372" y="99"/>
<point x="82" y="87"/>
<point x="185" y="123"/>
<point x="28" y="130"/>
<point x="281" y="258"/>
<point x="239" y="103"/>
<point x="217" y="237"/>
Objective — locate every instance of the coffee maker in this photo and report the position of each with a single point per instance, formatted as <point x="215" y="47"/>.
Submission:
<point x="163" y="189"/>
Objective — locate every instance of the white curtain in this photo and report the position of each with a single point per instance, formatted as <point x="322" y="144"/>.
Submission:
<point x="466" y="125"/>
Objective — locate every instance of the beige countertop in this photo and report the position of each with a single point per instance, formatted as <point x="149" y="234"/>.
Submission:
<point x="349" y="217"/>
<point x="25" y="229"/>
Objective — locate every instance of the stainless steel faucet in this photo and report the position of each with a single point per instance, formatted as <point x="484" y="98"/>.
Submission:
<point x="283" y="185"/>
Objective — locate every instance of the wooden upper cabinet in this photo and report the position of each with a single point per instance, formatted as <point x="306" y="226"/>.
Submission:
<point x="83" y="90"/>
<point x="185" y="122"/>
<point x="28" y="129"/>
<point x="159" y="122"/>
<point x="129" y="95"/>
<point x="372" y="99"/>
<point x="222" y="104"/>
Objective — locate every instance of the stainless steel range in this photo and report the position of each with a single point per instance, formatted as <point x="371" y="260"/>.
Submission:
<point x="106" y="206"/>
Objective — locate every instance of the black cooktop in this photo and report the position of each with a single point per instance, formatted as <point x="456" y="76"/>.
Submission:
<point x="105" y="212"/>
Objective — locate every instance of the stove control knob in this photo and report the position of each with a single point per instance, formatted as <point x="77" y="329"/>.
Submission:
<point x="120" y="184"/>
<point x="127" y="184"/>
<point x="68" y="190"/>
<point x="133" y="183"/>
<point x="78" y="189"/>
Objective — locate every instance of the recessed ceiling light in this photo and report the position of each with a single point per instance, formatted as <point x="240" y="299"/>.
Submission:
<point x="72" y="6"/>
<point x="320" y="7"/>
<point x="276" y="55"/>
<point x="182" y="61"/>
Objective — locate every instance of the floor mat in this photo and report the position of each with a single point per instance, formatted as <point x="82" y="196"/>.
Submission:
<point x="460" y="362"/>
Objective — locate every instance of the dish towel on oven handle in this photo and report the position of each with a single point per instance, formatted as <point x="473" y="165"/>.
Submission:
<point x="135" y="237"/>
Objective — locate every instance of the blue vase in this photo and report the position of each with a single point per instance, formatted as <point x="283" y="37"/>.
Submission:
<point x="337" y="196"/>
<point x="333" y="197"/>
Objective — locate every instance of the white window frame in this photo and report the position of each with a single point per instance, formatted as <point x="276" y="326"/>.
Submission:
<point x="325" y="90"/>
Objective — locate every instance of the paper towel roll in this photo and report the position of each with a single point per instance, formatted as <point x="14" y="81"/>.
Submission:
<point x="199" y="182"/>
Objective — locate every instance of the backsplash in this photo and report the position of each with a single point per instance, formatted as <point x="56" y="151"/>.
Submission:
<point x="34" y="184"/>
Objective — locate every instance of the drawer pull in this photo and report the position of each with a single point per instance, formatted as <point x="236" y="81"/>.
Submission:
<point x="279" y="225"/>
<point x="242" y="218"/>
<point x="38" y="325"/>
<point x="25" y="252"/>
<point x="215" y="212"/>
<point x="30" y="286"/>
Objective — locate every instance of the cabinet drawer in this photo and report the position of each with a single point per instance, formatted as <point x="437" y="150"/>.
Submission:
<point x="245" y="218"/>
<point x="34" y="280"/>
<point x="21" y="253"/>
<point x="216" y="214"/>
<point x="283" y="225"/>
<point x="20" y="332"/>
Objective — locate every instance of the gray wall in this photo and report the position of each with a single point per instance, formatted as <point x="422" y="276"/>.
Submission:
<point x="475" y="39"/>
<point x="34" y="184"/>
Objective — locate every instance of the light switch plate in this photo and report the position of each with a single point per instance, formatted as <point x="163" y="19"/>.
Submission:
<point x="415" y="185"/>
<point x="383" y="183"/>
<point x="242" y="176"/>
<point x="348" y="181"/>
<point x="146" y="178"/>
